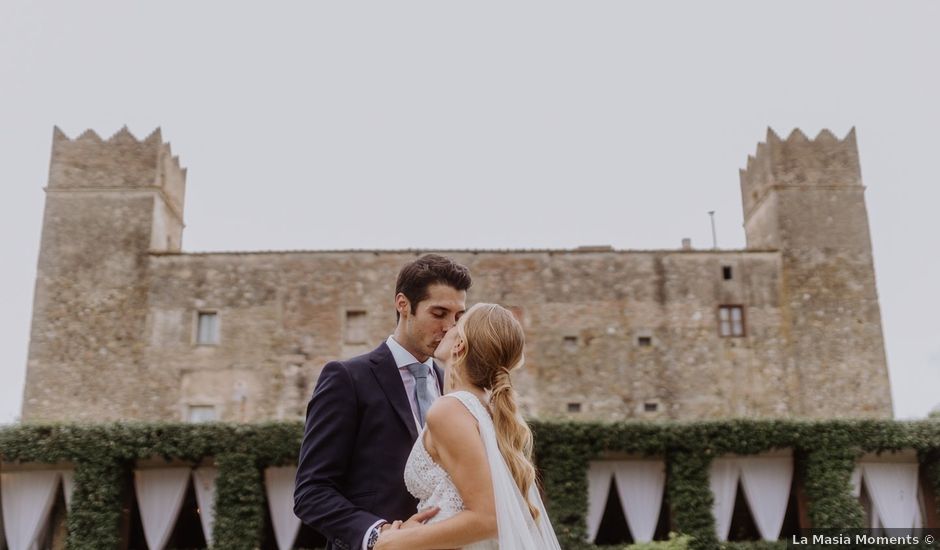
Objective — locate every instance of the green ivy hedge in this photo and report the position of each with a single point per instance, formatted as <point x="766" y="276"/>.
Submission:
<point x="825" y="452"/>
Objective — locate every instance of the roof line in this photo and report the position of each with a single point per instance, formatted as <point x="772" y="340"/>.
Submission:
<point x="417" y="251"/>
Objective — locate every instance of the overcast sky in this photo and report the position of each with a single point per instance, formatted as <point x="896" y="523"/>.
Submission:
<point x="482" y="125"/>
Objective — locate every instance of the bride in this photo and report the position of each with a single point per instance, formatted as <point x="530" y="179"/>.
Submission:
<point x="473" y="458"/>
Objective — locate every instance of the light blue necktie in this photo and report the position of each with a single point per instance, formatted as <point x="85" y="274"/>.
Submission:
<point x="422" y="396"/>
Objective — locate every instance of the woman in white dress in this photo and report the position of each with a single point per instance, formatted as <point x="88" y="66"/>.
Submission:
<point x="473" y="458"/>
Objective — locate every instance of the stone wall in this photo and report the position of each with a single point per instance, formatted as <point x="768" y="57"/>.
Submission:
<point x="283" y="315"/>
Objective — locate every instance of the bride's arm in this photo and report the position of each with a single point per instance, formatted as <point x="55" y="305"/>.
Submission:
<point x="454" y="436"/>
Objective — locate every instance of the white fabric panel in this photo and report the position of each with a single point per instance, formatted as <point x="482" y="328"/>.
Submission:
<point x="640" y="485"/>
<point x="279" y="484"/>
<point x="723" y="480"/>
<point x="68" y="486"/>
<point x="204" y="480"/>
<point x="766" y="482"/>
<point x="873" y="521"/>
<point x="893" y="488"/>
<point x="856" y="481"/>
<point x="599" y="475"/>
<point x="160" y="493"/>
<point x="3" y="537"/>
<point x="27" y="500"/>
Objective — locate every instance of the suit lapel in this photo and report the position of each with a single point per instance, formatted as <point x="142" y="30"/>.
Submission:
<point x="386" y="372"/>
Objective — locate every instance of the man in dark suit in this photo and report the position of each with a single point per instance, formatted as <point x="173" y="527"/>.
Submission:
<point x="366" y="412"/>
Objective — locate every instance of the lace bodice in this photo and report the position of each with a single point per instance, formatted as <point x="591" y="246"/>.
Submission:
<point x="431" y="485"/>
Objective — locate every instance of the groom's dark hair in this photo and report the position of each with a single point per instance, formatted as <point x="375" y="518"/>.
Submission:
<point x="431" y="269"/>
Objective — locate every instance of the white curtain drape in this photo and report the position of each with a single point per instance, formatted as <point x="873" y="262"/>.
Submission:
<point x="160" y="493"/>
<point x="893" y="490"/>
<point x="640" y="485"/>
<point x="68" y="486"/>
<point x="27" y="500"/>
<point x="856" y="481"/>
<point x="204" y="480"/>
<point x="723" y="480"/>
<point x="599" y="475"/>
<point x="3" y="537"/>
<point x="279" y="484"/>
<point x="766" y="482"/>
<point x="856" y="484"/>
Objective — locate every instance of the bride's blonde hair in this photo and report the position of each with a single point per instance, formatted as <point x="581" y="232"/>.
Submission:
<point x="493" y="346"/>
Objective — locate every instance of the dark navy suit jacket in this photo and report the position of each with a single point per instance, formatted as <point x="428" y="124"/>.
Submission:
<point x="358" y="435"/>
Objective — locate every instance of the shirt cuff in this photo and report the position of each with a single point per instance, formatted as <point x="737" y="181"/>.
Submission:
<point x="365" y="538"/>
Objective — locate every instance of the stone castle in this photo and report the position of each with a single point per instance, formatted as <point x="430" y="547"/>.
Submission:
<point x="128" y="326"/>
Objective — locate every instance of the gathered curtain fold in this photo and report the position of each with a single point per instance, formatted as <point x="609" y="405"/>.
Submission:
<point x="893" y="490"/>
<point x="766" y="482"/>
<point x="27" y="499"/>
<point x="600" y="473"/>
<point x="68" y="486"/>
<point x="640" y="485"/>
<point x="279" y="485"/>
<point x="160" y="493"/>
<point x="723" y="480"/>
<point x="855" y="482"/>
<point x="204" y="479"/>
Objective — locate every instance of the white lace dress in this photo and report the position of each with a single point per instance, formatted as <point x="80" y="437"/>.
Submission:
<point x="431" y="485"/>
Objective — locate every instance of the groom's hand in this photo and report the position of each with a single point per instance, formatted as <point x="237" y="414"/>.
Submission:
<point x="420" y="517"/>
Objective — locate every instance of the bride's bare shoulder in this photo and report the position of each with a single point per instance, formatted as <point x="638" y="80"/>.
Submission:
<point x="448" y="413"/>
<point x="453" y="435"/>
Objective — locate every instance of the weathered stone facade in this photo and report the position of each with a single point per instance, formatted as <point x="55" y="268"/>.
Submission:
<point x="611" y="334"/>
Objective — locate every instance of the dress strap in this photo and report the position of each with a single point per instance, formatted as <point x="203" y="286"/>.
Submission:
<point x="472" y="403"/>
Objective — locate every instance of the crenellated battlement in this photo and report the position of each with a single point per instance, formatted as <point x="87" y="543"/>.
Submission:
<point x="799" y="161"/>
<point x="121" y="161"/>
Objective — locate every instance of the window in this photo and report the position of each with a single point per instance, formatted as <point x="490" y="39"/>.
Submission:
<point x="207" y="333"/>
<point x="574" y="407"/>
<point x="571" y="343"/>
<point x="731" y="321"/>
<point x="357" y="329"/>
<point x="726" y="272"/>
<point x="201" y="413"/>
<point x="650" y="406"/>
<point x="644" y="341"/>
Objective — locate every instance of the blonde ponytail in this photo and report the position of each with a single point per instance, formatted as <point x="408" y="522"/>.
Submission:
<point x="495" y="344"/>
<point x="513" y="435"/>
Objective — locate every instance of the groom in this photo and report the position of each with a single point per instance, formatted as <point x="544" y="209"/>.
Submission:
<point x="366" y="412"/>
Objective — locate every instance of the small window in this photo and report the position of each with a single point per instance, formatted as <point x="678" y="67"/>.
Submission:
<point x="571" y="343"/>
<point x="644" y="341"/>
<point x="574" y="407"/>
<point x="357" y="330"/>
<point x="650" y="406"/>
<point x="726" y="272"/>
<point x="201" y="413"/>
<point x="207" y="333"/>
<point x="731" y="321"/>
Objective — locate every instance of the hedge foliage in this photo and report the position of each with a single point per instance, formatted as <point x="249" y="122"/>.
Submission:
<point x="825" y="452"/>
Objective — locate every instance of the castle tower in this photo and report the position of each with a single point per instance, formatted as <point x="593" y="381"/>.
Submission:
<point x="805" y="198"/>
<point x="108" y="204"/>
